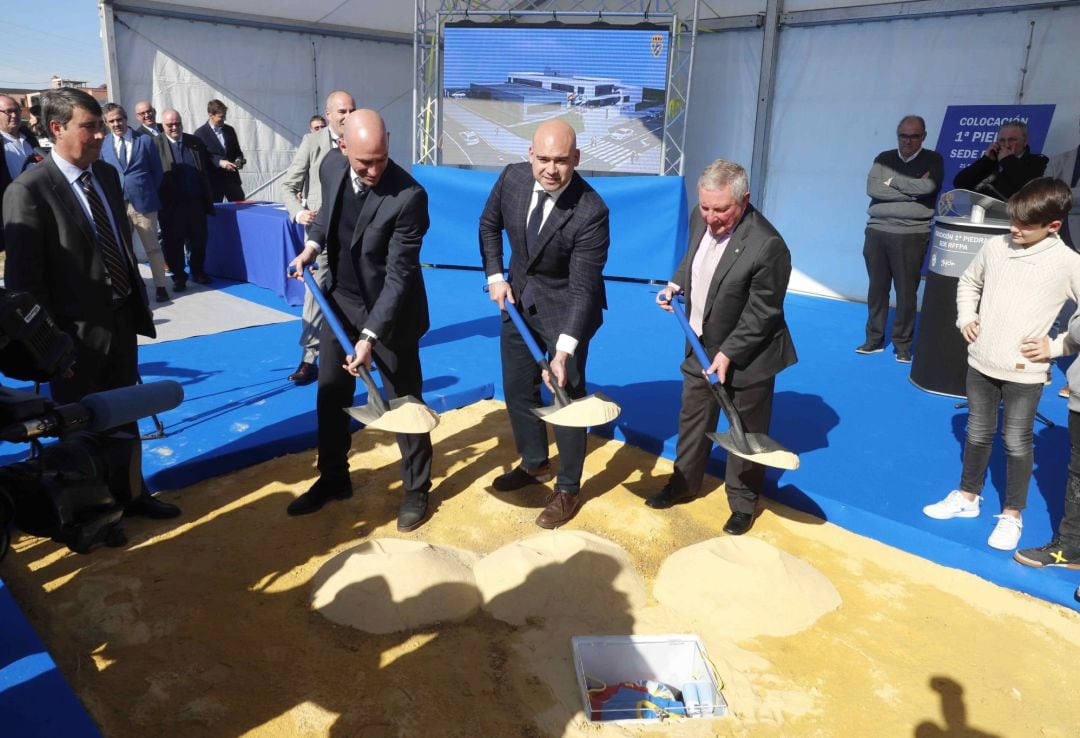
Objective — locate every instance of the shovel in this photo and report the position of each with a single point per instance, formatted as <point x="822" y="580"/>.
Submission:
<point x="756" y="447"/>
<point x="594" y="409"/>
<point x="402" y="415"/>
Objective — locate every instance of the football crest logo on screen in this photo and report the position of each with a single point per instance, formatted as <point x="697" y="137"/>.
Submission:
<point x="656" y="44"/>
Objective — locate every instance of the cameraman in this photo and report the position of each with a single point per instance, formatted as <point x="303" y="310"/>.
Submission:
<point x="68" y="245"/>
<point x="226" y="158"/>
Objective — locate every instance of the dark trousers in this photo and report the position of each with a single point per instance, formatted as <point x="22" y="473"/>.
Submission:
<point x="336" y="390"/>
<point x="698" y="415"/>
<point x="226" y="185"/>
<point x="1069" y="529"/>
<point x="1020" y="401"/>
<point x="95" y="371"/>
<point x="521" y="388"/>
<point x="183" y="224"/>
<point x="893" y="260"/>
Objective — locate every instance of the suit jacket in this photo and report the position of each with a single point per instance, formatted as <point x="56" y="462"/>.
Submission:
<point x="168" y="191"/>
<point x="1062" y="166"/>
<point x="216" y="152"/>
<point x="7" y="177"/>
<point x="564" y="277"/>
<point x="1002" y="178"/>
<point x="744" y="312"/>
<point x="141" y="178"/>
<point x="54" y="255"/>
<point x="384" y="252"/>
<point x="304" y="169"/>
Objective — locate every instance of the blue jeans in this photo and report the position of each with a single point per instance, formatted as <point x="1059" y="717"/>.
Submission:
<point x="985" y="394"/>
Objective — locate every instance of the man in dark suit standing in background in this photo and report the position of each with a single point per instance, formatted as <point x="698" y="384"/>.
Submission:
<point x="18" y="145"/>
<point x="372" y="220"/>
<point x="185" y="200"/>
<point x="136" y="158"/>
<point x="558" y="231"/>
<point x="734" y="277"/>
<point x="223" y="147"/>
<point x="147" y="119"/>
<point x="69" y="246"/>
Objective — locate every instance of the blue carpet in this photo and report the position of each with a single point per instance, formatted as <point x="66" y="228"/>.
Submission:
<point x="874" y="449"/>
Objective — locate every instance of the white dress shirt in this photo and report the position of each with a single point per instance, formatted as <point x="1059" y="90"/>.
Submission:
<point x="15" y="152"/>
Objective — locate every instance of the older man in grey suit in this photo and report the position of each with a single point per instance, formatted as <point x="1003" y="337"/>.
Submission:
<point x="303" y="197"/>
<point x="558" y="231"/>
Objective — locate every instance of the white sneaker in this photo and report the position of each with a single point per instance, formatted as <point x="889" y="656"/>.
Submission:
<point x="1006" y="533"/>
<point x="953" y="506"/>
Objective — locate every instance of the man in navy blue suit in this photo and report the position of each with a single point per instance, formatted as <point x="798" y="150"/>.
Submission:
<point x="135" y="157"/>
<point x="557" y="227"/>
<point x="223" y="148"/>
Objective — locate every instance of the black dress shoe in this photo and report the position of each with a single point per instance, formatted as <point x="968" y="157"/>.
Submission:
<point x="519" y="478"/>
<point x="148" y="506"/>
<point x="162" y="294"/>
<point x="306" y="373"/>
<point x="412" y="511"/>
<point x="201" y="278"/>
<point x="667" y="497"/>
<point x="320" y="493"/>
<point x="738" y="523"/>
<point x="179" y="285"/>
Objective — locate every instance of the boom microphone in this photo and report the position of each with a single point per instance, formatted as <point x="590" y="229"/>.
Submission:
<point x="98" y="411"/>
<point x="112" y="408"/>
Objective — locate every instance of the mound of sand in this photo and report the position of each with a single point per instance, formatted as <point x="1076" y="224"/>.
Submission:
<point x="746" y="586"/>
<point x="388" y="585"/>
<point x="536" y="577"/>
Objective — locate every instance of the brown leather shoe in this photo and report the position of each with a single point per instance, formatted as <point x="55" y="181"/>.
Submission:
<point x="561" y="508"/>
<point x="306" y="373"/>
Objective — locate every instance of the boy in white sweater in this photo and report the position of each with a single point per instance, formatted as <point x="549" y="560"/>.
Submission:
<point x="1006" y="303"/>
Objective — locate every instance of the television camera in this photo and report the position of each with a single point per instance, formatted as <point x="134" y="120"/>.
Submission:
<point x="72" y="490"/>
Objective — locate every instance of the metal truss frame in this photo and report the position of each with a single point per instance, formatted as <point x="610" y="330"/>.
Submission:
<point x="432" y="14"/>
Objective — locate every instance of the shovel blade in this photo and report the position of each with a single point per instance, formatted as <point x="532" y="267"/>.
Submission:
<point x="594" y="409"/>
<point x="405" y="415"/>
<point x="759" y="448"/>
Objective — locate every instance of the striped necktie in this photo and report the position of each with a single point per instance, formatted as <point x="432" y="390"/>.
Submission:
<point x="115" y="265"/>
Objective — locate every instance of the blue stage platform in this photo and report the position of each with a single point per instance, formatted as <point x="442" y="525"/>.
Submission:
<point x="874" y="449"/>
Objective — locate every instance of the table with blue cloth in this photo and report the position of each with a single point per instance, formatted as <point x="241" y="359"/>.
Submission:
<point x="254" y="242"/>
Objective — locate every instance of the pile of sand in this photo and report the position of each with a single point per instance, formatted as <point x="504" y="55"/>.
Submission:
<point x="537" y="576"/>
<point x="388" y="585"/>
<point x="750" y="586"/>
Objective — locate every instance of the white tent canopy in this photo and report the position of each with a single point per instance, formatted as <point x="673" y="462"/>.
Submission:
<point x="839" y="78"/>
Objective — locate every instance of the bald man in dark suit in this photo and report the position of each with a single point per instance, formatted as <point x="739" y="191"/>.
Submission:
<point x="558" y="231"/>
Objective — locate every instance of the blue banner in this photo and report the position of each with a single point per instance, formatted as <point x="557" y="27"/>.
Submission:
<point x="968" y="130"/>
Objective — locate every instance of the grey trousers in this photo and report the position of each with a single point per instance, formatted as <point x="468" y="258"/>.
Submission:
<point x="311" y="319"/>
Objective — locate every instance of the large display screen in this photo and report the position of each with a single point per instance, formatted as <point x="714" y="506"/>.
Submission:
<point x="608" y="82"/>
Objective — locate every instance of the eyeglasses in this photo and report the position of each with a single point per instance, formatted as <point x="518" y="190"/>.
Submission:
<point x="11" y="111"/>
<point x="145" y="113"/>
<point x="910" y="136"/>
<point x="170" y="125"/>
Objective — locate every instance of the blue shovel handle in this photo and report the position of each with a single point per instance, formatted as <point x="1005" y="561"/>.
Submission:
<point x="734" y="421"/>
<point x="374" y="396"/>
<point x="561" y="398"/>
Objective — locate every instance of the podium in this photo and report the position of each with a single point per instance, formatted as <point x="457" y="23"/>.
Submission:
<point x="966" y="220"/>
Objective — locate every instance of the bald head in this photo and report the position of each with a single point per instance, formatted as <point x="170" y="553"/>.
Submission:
<point x="338" y="105"/>
<point x="173" y="124"/>
<point x="367" y="145"/>
<point x="554" y="154"/>
<point x="145" y="113"/>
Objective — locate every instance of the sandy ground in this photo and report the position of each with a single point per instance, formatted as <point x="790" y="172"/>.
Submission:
<point x="204" y="627"/>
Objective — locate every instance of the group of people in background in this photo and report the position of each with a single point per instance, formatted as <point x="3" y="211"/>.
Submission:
<point x="1016" y="309"/>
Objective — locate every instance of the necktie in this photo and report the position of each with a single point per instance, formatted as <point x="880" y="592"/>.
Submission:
<point x="536" y="219"/>
<point x="115" y="265"/>
<point x="121" y="155"/>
